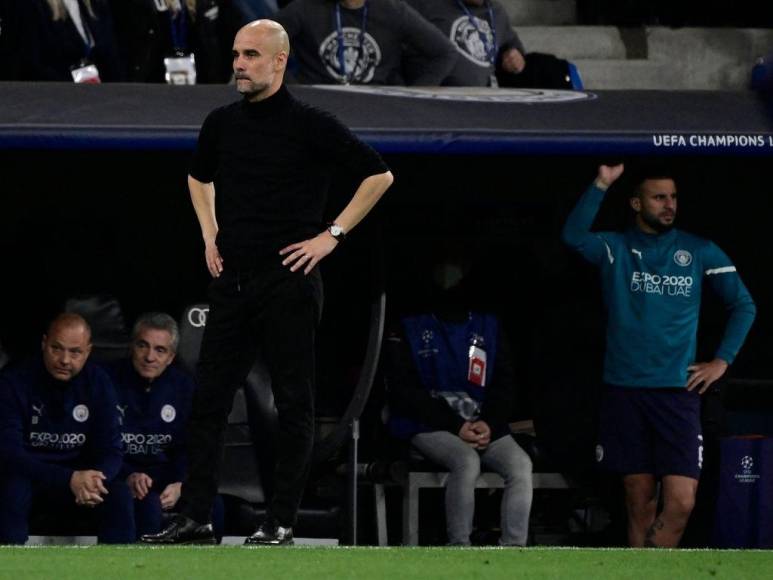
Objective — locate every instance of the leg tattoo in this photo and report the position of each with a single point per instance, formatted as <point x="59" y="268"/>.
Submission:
<point x="649" y="539"/>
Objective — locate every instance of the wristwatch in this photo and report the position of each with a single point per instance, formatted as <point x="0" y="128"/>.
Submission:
<point x="336" y="231"/>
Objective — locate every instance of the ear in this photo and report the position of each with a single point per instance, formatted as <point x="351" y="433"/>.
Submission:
<point x="43" y="342"/>
<point x="636" y="204"/>
<point x="280" y="61"/>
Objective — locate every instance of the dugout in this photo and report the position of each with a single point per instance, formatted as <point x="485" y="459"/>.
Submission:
<point x="94" y="200"/>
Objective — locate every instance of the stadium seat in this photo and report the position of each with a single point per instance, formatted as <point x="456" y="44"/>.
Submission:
<point x="246" y="477"/>
<point x="574" y="76"/>
<point x="192" y="323"/>
<point x="422" y="474"/>
<point x="254" y="414"/>
<point x="109" y="336"/>
<point x="762" y="74"/>
<point x="240" y="473"/>
<point x="4" y="358"/>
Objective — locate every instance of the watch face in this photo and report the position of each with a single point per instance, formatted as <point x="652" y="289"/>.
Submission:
<point x="336" y="230"/>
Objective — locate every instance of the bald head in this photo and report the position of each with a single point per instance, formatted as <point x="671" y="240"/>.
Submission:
<point x="69" y="320"/>
<point x="273" y="32"/>
<point x="66" y="346"/>
<point x="260" y="53"/>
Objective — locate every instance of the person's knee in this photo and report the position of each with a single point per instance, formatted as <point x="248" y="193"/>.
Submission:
<point x="518" y="466"/>
<point x="465" y="465"/>
<point x="640" y="496"/>
<point x="680" y="503"/>
<point x="639" y="488"/>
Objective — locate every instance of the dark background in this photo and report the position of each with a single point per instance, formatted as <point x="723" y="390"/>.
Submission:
<point x="120" y="222"/>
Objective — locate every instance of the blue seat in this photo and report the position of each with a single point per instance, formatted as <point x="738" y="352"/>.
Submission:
<point x="574" y="76"/>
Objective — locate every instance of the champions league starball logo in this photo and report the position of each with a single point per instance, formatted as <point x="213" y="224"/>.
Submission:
<point x="359" y="65"/>
<point x="747" y="474"/>
<point x="427" y="338"/>
<point x="468" y="41"/>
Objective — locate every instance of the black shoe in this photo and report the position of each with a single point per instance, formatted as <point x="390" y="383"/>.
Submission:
<point x="182" y="530"/>
<point x="270" y="533"/>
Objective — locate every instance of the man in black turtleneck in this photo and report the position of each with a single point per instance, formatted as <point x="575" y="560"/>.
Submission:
<point x="271" y="159"/>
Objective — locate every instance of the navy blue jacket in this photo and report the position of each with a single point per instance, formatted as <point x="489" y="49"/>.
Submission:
<point x="154" y="417"/>
<point x="427" y="366"/>
<point x="50" y="428"/>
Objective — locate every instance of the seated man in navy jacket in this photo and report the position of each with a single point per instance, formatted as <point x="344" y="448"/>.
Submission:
<point x="60" y="442"/>
<point x="154" y="401"/>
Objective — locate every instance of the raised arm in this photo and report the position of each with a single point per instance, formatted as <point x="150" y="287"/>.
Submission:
<point x="577" y="230"/>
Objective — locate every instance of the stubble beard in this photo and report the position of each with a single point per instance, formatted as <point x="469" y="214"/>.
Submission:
<point x="250" y="89"/>
<point x="656" y="224"/>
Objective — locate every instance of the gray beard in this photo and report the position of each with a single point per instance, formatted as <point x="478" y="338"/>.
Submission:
<point x="253" y="90"/>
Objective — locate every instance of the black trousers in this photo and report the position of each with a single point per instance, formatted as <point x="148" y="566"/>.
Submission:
<point x="275" y="312"/>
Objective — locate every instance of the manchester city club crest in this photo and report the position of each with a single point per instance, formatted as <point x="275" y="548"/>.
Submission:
<point x="80" y="413"/>
<point x="471" y="43"/>
<point x="360" y="65"/>
<point x="168" y="413"/>
<point x="683" y="257"/>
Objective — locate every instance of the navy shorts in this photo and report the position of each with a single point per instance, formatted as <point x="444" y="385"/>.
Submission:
<point x="650" y="430"/>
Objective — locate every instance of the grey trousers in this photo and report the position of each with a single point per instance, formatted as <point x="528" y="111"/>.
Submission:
<point x="502" y="456"/>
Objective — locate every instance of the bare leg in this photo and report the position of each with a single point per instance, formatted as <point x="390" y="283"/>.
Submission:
<point x="641" y="503"/>
<point x="678" y="501"/>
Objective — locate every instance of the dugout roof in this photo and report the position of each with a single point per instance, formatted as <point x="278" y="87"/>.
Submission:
<point x="404" y="120"/>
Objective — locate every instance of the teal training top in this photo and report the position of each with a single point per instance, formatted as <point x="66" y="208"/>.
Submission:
<point x="651" y="285"/>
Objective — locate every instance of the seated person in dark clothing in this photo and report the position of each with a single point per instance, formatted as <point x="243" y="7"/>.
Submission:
<point x="365" y="42"/>
<point x="154" y="401"/>
<point x="175" y="41"/>
<point x="67" y="40"/>
<point x="450" y="380"/>
<point x="60" y="441"/>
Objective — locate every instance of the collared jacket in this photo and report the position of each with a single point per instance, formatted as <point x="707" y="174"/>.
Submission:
<point x="51" y="428"/>
<point x="652" y="285"/>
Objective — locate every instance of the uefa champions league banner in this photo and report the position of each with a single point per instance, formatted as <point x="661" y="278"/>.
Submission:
<point x="744" y="510"/>
<point x="435" y="120"/>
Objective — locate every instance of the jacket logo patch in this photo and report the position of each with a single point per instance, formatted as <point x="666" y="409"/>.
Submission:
<point x="683" y="258"/>
<point x="168" y="413"/>
<point x="80" y="413"/>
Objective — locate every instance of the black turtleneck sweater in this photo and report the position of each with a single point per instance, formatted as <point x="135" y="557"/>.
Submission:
<point x="272" y="162"/>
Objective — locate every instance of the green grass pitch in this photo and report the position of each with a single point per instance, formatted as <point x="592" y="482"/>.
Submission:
<point x="299" y="563"/>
